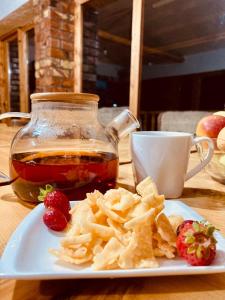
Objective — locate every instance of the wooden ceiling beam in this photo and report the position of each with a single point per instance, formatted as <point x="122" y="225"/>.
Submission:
<point x="18" y="18"/>
<point x="149" y="50"/>
<point x="194" y="42"/>
<point x="8" y="34"/>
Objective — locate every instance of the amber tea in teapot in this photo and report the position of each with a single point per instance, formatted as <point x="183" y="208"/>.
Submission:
<point x="65" y="145"/>
<point x="74" y="173"/>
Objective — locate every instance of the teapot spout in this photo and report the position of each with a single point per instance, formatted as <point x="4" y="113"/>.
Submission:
<point x="122" y="124"/>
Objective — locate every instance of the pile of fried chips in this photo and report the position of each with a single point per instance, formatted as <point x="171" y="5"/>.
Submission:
<point x="120" y="230"/>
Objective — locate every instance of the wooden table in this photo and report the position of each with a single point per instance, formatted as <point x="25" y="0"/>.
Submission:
<point x="203" y="194"/>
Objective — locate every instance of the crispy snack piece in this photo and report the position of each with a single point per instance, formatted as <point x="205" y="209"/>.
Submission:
<point x="165" y="229"/>
<point x="153" y="200"/>
<point x="163" y="247"/>
<point x="120" y="230"/>
<point x="127" y="201"/>
<point x="108" y="256"/>
<point x="147" y="187"/>
<point x="139" y="252"/>
<point x="76" y="240"/>
<point x="101" y="231"/>
<point x="61" y="254"/>
<point x="175" y="221"/>
<point x="108" y="212"/>
<point x="149" y="215"/>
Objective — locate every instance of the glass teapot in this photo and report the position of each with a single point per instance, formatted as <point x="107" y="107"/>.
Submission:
<point x="65" y="145"/>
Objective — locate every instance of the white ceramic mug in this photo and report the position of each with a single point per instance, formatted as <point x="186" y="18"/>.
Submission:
<point x="164" y="156"/>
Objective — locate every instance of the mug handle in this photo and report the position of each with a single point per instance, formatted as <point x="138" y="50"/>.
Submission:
<point x="206" y="159"/>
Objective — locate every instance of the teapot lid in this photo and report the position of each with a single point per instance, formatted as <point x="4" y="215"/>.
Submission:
<point x="60" y="96"/>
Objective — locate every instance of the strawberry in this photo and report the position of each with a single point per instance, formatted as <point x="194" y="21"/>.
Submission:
<point x="182" y="225"/>
<point x="56" y="199"/>
<point x="196" y="243"/>
<point x="54" y="219"/>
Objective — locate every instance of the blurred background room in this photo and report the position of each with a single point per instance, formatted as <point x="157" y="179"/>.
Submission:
<point x="155" y="56"/>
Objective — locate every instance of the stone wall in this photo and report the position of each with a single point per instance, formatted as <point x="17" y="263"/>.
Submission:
<point x="54" y="46"/>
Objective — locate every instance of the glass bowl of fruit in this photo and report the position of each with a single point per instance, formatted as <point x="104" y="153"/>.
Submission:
<point x="213" y="126"/>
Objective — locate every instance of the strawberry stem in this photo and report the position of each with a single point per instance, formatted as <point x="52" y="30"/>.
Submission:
<point x="43" y="192"/>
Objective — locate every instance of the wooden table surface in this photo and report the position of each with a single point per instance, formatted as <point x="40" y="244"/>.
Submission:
<point x="204" y="195"/>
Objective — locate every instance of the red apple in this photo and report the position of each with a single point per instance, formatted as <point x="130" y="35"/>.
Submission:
<point x="210" y="126"/>
<point x="220" y="113"/>
<point x="221" y="140"/>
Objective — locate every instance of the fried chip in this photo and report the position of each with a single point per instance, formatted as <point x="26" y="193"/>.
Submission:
<point x="108" y="212"/>
<point x="144" y="241"/>
<point x="80" y="252"/>
<point x="164" y="247"/>
<point x="97" y="249"/>
<point x="126" y="201"/>
<point x="165" y="229"/>
<point x="100" y="217"/>
<point x="108" y="256"/>
<point x="67" y="258"/>
<point x="139" y="252"/>
<point x="175" y="221"/>
<point x="117" y="227"/>
<point x="126" y="258"/>
<point x="112" y="196"/>
<point x="140" y="219"/>
<point x="158" y="252"/>
<point x="79" y="239"/>
<point x="138" y="210"/>
<point x="147" y="263"/>
<point x="78" y="218"/>
<point x="92" y="199"/>
<point x="120" y="229"/>
<point x="152" y="200"/>
<point x="101" y="231"/>
<point x="147" y="187"/>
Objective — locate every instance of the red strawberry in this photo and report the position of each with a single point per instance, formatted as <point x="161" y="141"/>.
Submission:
<point x="182" y="225"/>
<point x="196" y="243"/>
<point x="54" y="219"/>
<point x="56" y="199"/>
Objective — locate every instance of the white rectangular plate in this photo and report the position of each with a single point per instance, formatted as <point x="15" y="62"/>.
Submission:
<point x="26" y="255"/>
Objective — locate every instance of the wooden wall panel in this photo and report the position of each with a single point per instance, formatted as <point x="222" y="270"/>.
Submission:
<point x="22" y="49"/>
<point x="78" y="47"/>
<point x="4" y="89"/>
<point x="136" y="55"/>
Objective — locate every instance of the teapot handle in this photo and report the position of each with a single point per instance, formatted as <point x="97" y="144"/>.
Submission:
<point x="14" y="115"/>
<point x="4" y="177"/>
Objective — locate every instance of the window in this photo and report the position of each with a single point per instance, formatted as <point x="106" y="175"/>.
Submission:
<point x="13" y="75"/>
<point x="17" y="61"/>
